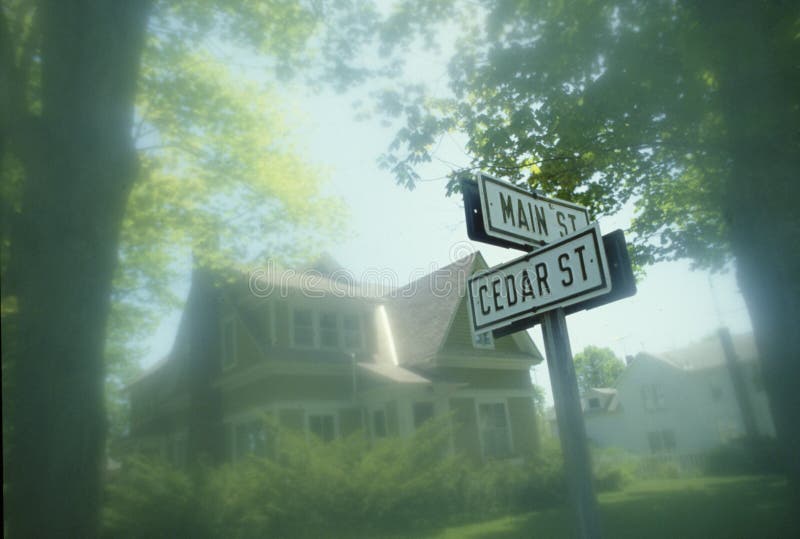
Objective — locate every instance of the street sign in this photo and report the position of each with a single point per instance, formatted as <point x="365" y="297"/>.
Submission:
<point x="623" y="284"/>
<point x="569" y="274"/>
<point x="561" y="274"/>
<point x="519" y="216"/>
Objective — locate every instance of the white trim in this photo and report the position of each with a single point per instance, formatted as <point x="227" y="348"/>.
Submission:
<point x="509" y="434"/>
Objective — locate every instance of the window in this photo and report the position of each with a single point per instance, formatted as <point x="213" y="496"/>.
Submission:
<point x="351" y="331"/>
<point x="328" y="330"/>
<point x="379" y="424"/>
<point x="483" y="340"/>
<point x="653" y="397"/>
<point x="661" y="441"/>
<point x="423" y="411"/>
<point x="228" y="343"/>
<point x="494" y="430"/>
<point x="323" y="426"/>
<point x="250" y="438"/>
<point x="303" y="327"/>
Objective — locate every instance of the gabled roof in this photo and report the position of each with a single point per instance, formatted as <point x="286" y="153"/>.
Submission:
<point x="422" y="312"/>
<point x="419" y="315"/>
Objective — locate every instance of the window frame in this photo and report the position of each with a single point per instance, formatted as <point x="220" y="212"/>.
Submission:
<point x="293" y="328"/>
<point x="481" y="429"/>
<point x="334" y="414"/>
<point x="317" y="329"/>
<point x="419" y="404"/>
<point x="372" y="425"/>
<point x="489" y="345"/>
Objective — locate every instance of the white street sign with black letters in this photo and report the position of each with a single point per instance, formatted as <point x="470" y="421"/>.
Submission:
<point x="517" y="215"/>
<point x="563" y="273"/>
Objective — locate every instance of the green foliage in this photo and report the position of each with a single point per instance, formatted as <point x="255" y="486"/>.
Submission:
<point x="597" y="367"/>
<point x="697" y="507"/>
<point x="148" y="498"/>
<point x="609" y="103"/>
<point x="347" y="488"/>
<point x="613" y="469"/>
<point x="502" y="487"/>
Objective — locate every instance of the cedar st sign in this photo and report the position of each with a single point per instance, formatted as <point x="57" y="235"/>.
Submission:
<point x="564" y="273"/>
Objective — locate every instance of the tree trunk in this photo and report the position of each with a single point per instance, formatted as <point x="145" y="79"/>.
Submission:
<point x="79" y="165"/>
<point x="758" y="87"/>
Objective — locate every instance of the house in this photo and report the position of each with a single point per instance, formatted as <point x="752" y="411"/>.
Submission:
<point x="680" y="403"/>
<point x="328" y="356"/>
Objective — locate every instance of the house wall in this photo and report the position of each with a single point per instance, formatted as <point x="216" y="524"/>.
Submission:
<point x="466" y="437"/>
<point x="524" y="425"/>
<point x="699" y="407"/>
<point x="286" y="388"/>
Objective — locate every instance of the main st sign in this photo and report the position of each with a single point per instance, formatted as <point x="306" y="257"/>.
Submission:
<point x="519" y="216"/>
<point x="564" y="273"/>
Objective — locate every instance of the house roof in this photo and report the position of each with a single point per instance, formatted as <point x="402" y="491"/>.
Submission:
<point x="422" y="312"/>
<point x="709" y="353"/>
<point x="419" y="314"/>
<point x="324" y="279"/>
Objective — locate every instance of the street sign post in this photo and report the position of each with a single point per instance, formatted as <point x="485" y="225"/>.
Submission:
<point x="571" y="268"/>
<point x="565" y="273"/>
<point x="516" y="215"/>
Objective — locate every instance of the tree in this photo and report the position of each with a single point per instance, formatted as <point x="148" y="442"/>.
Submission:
<point x="686" y="110"/>
<point x="597" y="367"/>
<point x="119" y="143"/>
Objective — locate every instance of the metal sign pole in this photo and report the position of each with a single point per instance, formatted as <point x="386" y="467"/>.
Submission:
<point x="571" y="429"/>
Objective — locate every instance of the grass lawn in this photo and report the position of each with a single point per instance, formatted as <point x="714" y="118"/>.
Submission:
<point x="737" y="507"/>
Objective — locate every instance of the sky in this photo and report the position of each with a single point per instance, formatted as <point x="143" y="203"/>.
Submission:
<point x="408" y="233"/>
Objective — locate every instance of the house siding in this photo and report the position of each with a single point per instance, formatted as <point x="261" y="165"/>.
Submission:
<point x="523" y="425"/>
<point x="350" y="421"/>
<point x="487" y="378"/>
<point x="461" y="335"/>
<point x="292" y="418"/>
<point x="286" y="388"/>
<point x="466" y="437"/>
<point x="247" y="351"/>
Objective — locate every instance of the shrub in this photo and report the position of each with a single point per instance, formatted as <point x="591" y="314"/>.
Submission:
<point x="148" y="498"/>
<point x="347" y="488"/>
<point x="613" y="469"/>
